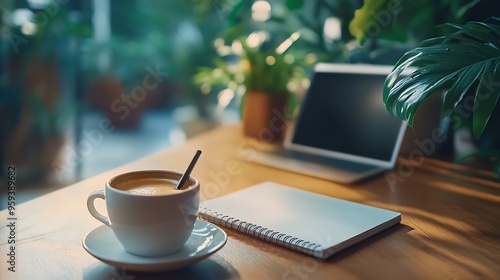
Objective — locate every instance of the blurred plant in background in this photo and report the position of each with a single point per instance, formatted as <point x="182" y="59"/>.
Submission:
<point x="322" y="25"/>
<point x="35" y="101"/>
<point x="386" y="29"/>
<point x="262" y="76"/>
<point x="258" y="68"/>
<point x="172" y="36"/>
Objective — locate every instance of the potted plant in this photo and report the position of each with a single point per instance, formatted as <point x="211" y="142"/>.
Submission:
<point x="111" y="83"/>
<point x="466" y="64"/>
<point x="263" y="76"/>
<point x="35" y="141"/>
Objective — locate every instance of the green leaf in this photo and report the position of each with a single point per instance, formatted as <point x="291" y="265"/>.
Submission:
<point x="235" y="15"/>
<point x="455" y="62"/>
<point x="294" y="4"/>
<point x="486" y="97"/>
<point x="466" y="7"/>
<point x="363" y="16"/>
<point x="396" y="33"/>
<point x="464" y="81"/>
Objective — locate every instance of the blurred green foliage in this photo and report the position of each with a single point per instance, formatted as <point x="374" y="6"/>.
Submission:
<point x="406" y="20"/>
<point x="33" y="54"/>
<point x="306" y="17"/>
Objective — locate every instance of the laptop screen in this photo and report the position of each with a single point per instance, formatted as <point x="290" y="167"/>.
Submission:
<point x="343" y="115"/>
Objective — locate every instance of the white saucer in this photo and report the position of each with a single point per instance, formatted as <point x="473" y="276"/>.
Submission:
<point x="205" y="240"/>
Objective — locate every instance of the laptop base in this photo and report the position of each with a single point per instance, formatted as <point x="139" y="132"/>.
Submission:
<point x="336" y="170"/>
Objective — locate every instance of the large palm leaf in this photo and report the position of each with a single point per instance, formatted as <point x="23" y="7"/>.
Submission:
<point x="467" y="57"/>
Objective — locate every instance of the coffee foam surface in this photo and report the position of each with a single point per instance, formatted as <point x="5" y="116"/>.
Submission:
<point x="148" y="186"/>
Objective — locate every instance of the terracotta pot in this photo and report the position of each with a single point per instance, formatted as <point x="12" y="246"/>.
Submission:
<point x="125" y="111"/>
<point x="34" y="157"/>
<point x="103" y="90"/>
<point x="43" y="78"/>
<point x="160" y="96"/>
<point x="264" y="116"/>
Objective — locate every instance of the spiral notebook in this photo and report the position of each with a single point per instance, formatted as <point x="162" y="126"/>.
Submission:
<point x="306" y="222"/>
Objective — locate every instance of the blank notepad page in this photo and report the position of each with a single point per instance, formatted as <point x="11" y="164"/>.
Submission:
<point x="331" y="223"/>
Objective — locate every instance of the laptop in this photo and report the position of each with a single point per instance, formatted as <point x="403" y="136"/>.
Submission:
<point x="343" y="132"/>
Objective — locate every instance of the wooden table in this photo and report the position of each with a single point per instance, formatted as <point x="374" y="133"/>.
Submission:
<point x="450" y="222"/>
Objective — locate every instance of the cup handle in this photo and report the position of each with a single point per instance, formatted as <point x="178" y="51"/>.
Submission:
<point x="90" y="205"/>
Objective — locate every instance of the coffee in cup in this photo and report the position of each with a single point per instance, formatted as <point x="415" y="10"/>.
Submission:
<point x="148" y="186"/>
<point x="146" y="213"/>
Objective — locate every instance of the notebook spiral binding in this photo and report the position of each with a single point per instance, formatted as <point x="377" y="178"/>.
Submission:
<point x="266" y="234"/>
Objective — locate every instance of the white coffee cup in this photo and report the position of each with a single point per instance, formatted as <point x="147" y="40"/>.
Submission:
<point x="147" y="219"/>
